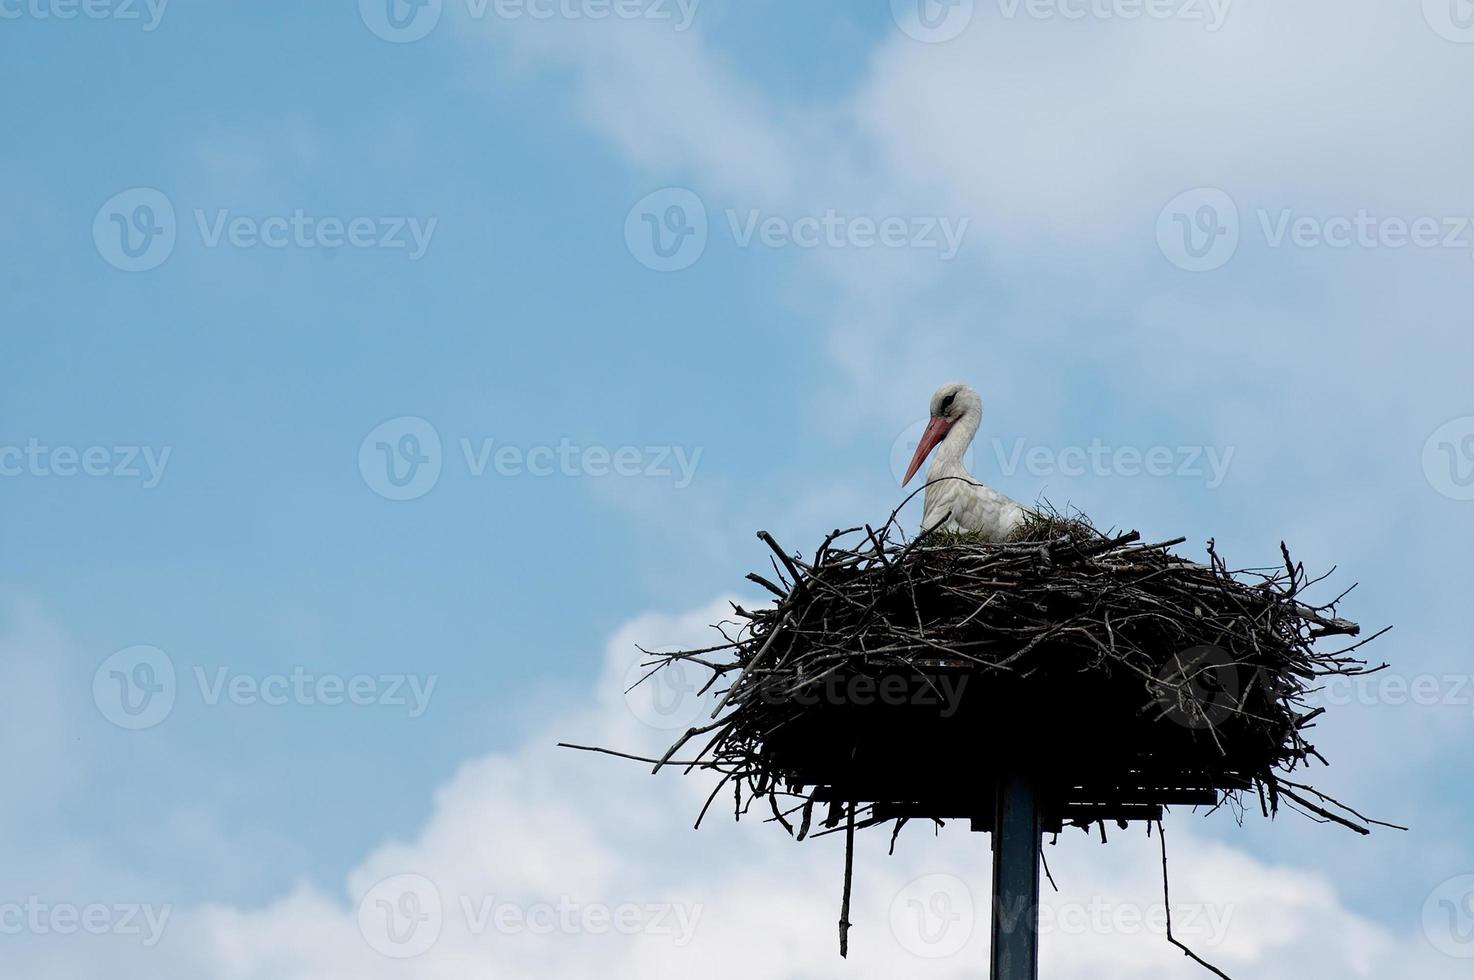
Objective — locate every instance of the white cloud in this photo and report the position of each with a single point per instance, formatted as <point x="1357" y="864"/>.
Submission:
<point x="660" y="95"/>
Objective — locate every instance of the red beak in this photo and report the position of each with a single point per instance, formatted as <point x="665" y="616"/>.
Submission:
<point x="935" y="432"/>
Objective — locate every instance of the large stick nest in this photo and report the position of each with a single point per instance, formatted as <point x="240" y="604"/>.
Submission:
<point x="897" y="680"/>
<point x="894" y="680"/>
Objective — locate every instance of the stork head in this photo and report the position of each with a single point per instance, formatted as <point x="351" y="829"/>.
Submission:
<point x="952" y="402"/>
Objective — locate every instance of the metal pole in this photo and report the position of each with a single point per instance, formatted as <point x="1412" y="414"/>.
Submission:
<point x="1016" y="840"/>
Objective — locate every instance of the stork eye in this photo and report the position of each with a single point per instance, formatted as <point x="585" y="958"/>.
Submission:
<point x="947" y="402"/>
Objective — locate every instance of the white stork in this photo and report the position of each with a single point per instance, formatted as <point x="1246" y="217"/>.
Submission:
<point x="952" y="495"/>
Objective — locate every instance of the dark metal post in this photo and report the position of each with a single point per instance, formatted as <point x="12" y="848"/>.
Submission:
<point x="1016" y="839"/>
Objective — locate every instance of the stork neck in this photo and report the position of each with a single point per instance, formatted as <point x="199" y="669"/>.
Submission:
<point x="952" y="448"/>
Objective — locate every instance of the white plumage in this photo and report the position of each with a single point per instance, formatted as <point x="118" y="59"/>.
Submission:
<point x="954" y="497"/>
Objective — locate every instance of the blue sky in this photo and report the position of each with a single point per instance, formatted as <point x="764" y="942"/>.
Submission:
<point x="1301" y="358"/>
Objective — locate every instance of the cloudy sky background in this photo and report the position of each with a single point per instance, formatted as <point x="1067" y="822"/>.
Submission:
<point x="1330" y="373"/>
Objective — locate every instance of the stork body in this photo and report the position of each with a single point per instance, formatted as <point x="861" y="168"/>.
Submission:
<point x="954" y="498"/>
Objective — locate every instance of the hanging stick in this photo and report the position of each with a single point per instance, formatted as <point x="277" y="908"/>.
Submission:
<point x="1167" y="901"/>
<point x="849" y="874"/>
